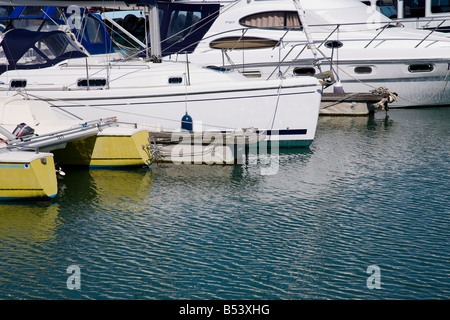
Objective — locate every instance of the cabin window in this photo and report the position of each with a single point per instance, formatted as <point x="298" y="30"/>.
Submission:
<point x="252" y="73"/>
<point x="31" y="57"/>
<point x="243" y="43"/>
<point x="32" y="11"/>
<point x="19" y="83"/>
<point x="93" y="30"/>
<point x="55" y="45"/>
<point x="47" y="48"/>
<point x="386" y="7"/>
<point x="92" y="82"/>
<point x="180" y="24"/>
<point x="414" y="8"/>
<point x="333" y="44"/>
<point x="58" y="15"/>
<point x="3" y="59"/>
<point x="5" y="11"/>
<point x="304" y="71"/>
<point x="426" y="67"/>
<point x="363" y="70"/>
<point x="219" y="69"/>
<point x="175" y="80"/>
<point x="438" y="6"/>
<point x="272" y="20"/>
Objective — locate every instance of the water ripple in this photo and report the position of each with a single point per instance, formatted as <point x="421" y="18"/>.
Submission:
<point x="369" y="191"/>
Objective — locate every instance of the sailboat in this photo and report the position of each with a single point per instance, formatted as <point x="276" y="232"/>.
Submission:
<point x="176" y="95"/>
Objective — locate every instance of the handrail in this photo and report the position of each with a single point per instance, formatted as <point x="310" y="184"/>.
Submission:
<point x="440" y="24"/>
<point x="244" y="31"/>
<point x="328" y="37"/>
<point x="29" y="141"/>
<point x="376" y="36"/>
<point x="282" y="60"/>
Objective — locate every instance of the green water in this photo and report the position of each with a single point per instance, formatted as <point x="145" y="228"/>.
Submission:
<point x="369" y="193"/>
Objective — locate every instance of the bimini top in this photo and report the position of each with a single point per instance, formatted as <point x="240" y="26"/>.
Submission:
<point x="25" y="49"/>
<point x="88" y="27"/>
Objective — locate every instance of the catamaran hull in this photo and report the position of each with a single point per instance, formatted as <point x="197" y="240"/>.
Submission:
<point x="27" y="175"/>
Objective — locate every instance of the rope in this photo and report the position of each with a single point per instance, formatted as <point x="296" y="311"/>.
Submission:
<point x="276" y="105"/>
<point x="339" y="101"/>
<point x="115" y="111"/>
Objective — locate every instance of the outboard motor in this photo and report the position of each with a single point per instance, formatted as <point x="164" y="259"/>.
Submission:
<point x="23" y="130"/>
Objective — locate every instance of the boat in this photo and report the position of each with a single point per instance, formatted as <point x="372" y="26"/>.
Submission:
<point x="215" y="148"/>
<point x="108" y="143"/>
<point x="103" y="30"/>
<point x="27" y="175"/>
<point x="432" y="15"/>
<point x="31" y="125"/>
<point x="143" y="90"/>
<point x="364" y="49"/>
<point x="117" y="146"/>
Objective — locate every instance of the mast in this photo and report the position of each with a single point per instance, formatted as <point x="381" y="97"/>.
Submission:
<point x="155" y="35"/>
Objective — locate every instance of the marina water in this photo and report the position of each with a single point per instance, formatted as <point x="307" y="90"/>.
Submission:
<point x="362" y="214"/>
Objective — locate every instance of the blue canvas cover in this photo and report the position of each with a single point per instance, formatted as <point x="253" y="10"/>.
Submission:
<point x="90" y="32"/>
<point x="20" y="42"/>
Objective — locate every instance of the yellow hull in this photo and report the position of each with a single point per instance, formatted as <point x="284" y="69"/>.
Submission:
<point x="120" y="150"/>
<point x="26" y="175"/>
<point x="110" y="148"/>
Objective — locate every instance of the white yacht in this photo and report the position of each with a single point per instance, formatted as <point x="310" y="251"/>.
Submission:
<point x="363" y="48"/>
<point x="433" y="15"/>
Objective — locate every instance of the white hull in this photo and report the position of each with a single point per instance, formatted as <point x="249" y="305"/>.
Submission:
<point x="288" y="109"/>
<point x="412" y="89"/>
<point x="292" y="109"/>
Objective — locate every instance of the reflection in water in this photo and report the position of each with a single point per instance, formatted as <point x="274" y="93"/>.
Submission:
<point x="28" y="222"/>
<point x="28" y="234"/>
<point x="82" y="185"/>
<point x="360" y="124"/>
<point x="121" y="185"/>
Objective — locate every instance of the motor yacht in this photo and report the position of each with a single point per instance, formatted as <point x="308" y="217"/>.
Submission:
<point x="364" y="49"/>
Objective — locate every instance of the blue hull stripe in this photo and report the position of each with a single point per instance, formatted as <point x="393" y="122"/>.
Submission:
<point x="286" y="132"/>
<point x="281" y="132"/>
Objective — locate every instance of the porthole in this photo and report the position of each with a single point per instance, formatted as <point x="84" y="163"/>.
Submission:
<point x="304" y="71"/>
<point x="15" y="84"/>
<point x="333" y="44"/>
<point x="216" y="68"/>
<point x="363" y="70"/>
<point x="175" y="80"/>
<point x="426" y="67"/>
<point x="92" y="83"/>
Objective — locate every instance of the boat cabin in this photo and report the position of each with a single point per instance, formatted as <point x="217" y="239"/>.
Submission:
<point x="411" y="8"/>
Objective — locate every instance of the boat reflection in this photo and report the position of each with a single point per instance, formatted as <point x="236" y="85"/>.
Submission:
<point x="29" y="223"/>
<point x="105" y="186"/>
